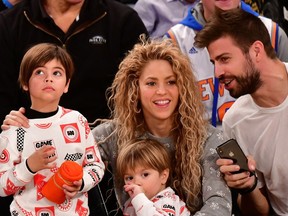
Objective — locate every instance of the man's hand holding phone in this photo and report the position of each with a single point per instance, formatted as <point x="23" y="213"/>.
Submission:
<point x="237" y="174"/>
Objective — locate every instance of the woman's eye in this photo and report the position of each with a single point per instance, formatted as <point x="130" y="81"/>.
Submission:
<point x="151" y="83"/>
<point x="172" y="82"/>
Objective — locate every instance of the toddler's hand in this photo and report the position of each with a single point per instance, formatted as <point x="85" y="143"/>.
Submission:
<point x="133" y="190"/>
<point x="72" y="190"/>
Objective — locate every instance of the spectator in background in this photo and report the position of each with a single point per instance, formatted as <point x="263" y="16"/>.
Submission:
<point x="97" y="34"/>
<point x="159" y="16"/>
<point x="216" y="99"/>
<point x="272" y="9"/>
<point x="256" y="5"/>
<point x="246" y="64"/>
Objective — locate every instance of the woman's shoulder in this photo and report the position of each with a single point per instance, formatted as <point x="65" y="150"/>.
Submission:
<point x="103" y="130"/>
<point x="215" y="137"/>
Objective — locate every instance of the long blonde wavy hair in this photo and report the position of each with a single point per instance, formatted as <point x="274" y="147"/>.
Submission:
<point x="189" y="126"/>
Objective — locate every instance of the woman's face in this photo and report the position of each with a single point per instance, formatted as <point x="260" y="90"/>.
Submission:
<point x="159" y="93"/>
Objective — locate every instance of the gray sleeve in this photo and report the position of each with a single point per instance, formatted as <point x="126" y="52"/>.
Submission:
<point x="282" y="45"/>
<point x="216" y="194"/>
<point x="147" y="13"/>
<point x="103" y="134"/>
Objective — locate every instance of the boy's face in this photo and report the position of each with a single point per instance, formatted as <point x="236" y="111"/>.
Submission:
<point x="46" y="85"/>
<point x="150" y="180"/>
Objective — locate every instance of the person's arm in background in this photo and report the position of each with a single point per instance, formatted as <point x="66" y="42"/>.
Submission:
<point x="281" y="40"/>
<point x="147" y="13"/>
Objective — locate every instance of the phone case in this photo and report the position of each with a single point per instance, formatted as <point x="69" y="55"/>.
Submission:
<point x="231" y="150"/>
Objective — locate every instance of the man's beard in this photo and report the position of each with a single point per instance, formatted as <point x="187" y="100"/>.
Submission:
<point x="249" y="82"/>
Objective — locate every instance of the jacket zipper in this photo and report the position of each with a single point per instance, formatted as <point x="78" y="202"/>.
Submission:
<point x="74" y="33"/>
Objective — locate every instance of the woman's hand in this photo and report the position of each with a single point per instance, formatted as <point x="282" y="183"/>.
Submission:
<point x="15" y="118"/>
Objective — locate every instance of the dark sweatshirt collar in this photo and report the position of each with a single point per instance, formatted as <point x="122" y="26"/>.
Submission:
<point x="33" y="114"/>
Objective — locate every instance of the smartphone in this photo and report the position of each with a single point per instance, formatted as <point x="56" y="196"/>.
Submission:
<point x="231" y="150"/>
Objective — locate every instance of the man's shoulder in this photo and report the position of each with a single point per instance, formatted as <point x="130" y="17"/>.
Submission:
<point x="243" y="107"/>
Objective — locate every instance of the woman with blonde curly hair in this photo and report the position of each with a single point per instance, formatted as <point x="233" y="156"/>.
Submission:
<point x="155" y="95"/>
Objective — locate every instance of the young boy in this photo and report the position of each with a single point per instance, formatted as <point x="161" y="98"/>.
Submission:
<point x="55" y="135"/>
<point x="143" y="168"/>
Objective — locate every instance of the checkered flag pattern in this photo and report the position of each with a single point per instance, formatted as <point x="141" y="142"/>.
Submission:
<point x="73" y="157"/>
<point x="20" y="139"/>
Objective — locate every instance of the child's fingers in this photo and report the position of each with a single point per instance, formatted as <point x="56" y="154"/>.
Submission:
<point x="70" y="194"/>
